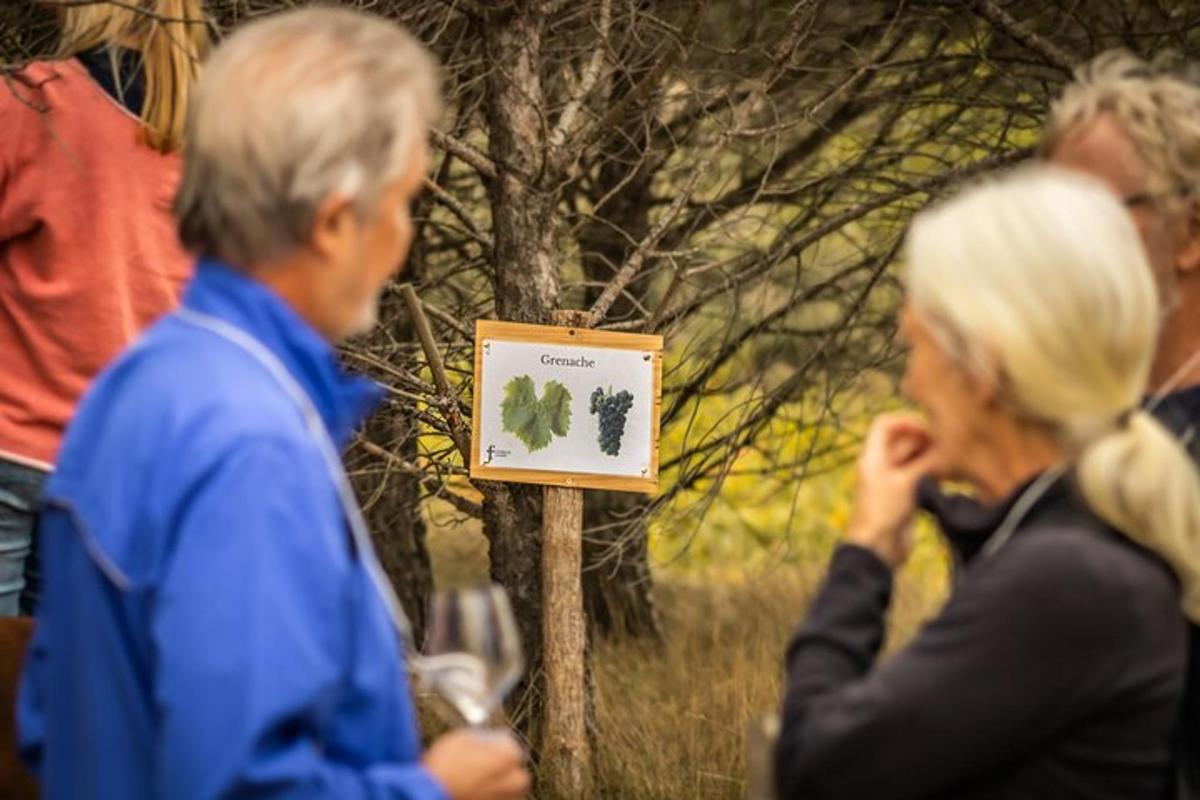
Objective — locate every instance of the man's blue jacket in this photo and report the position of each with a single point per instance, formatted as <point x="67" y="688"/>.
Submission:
<point x="208" y="626"/>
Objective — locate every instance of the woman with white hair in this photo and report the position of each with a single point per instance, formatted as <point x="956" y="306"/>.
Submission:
<point x="1057" y="665"/>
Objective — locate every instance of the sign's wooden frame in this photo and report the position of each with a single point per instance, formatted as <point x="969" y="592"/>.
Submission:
<point x="584" y="337"/>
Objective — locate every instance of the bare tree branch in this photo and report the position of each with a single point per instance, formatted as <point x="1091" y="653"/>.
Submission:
<point x="1054" y="55"/>
<point x="567" y="127"/>
<point x="465" y="153"/>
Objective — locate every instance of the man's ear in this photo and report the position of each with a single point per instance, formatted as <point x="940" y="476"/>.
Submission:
<point x="1187" y="256"/>
<point x="333" y="228"/>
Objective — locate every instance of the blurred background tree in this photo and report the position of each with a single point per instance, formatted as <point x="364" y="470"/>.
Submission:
<point x="733" y="174"/>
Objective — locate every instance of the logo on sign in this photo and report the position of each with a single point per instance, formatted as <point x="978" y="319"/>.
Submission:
<point x="493" y="453"/>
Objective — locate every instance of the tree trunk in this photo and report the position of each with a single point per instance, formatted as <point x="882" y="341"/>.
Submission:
<point x="512" y="522"/>
<point x="617" y="583"/>
<point x="526" y="289"/>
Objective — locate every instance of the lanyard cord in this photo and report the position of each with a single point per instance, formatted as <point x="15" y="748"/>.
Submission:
<point x="1189" y="433"/>
<point x="1020" y="508"/>
<point x="1173" y="381"/>
<point x="329" y="453"/>
<point x="1031" y="495"/>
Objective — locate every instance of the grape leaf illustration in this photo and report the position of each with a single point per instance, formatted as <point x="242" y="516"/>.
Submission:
<point x="556" y="399"/>
<point x="523" y="415"/>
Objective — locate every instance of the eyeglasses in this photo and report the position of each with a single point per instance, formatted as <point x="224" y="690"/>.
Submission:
<point x="1141" y="199"/>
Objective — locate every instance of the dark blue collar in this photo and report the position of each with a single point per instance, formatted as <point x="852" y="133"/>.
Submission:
<point x="1180" y="410"/>
<point x="126" y="84"/>
<point x="343" y="400"/>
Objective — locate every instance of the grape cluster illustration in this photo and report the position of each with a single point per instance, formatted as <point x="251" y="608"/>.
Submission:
<point x="613" y="409"/>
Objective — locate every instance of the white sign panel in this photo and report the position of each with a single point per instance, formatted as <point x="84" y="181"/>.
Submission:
<point x="566" y="406"/>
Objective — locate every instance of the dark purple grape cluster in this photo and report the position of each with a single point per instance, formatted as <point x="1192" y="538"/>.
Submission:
<point x="597" y="400"/>
<point x="613" y="409"/>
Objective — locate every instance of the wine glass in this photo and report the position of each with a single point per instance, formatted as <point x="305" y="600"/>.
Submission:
<point x="761" y="735"/>
<point x="473" y="655"/>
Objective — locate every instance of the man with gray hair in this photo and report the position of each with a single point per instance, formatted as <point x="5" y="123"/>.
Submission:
<point x="1136" y="128"/>
<point x="215" y="623"/>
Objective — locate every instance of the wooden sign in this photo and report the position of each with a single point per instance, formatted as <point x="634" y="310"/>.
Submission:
<point x="566" y="406"/>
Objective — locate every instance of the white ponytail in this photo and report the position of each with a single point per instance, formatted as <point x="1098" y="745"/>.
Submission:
<point x="1139" y="480"/>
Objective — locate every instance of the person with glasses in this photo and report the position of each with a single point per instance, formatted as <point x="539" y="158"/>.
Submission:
<point x="1135" y="126"/>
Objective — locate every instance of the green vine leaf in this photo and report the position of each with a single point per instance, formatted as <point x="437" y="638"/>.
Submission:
<point x="556" y="399"/>
<point x="523" y="416"/>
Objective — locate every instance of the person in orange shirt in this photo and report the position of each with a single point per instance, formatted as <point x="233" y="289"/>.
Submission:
<point x="89" y="255"/>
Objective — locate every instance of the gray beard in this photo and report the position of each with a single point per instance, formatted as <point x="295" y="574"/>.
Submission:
<point x="368" y="317"/>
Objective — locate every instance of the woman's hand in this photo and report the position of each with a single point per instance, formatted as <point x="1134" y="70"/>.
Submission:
<point x="897" y="454"/>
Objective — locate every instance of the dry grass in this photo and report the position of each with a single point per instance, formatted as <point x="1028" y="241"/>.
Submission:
<point x="672" y="719"/>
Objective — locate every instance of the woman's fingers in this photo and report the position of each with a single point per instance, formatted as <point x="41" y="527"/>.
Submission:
<point x="894" y="440"/>
<point x="904" y="448"/>
<point x="906" y="437"/>
<point x="899" y="451"/>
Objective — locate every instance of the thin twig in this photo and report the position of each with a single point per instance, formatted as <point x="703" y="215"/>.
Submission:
<point x="459" y="431"/>
<point x="456" y="208"/>
<point x="432" y="484"/>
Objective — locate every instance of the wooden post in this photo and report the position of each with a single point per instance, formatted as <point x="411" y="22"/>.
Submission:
<point x="566" y="764"/>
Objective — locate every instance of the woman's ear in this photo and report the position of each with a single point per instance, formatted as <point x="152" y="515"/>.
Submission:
<point x="984" y="379"/>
